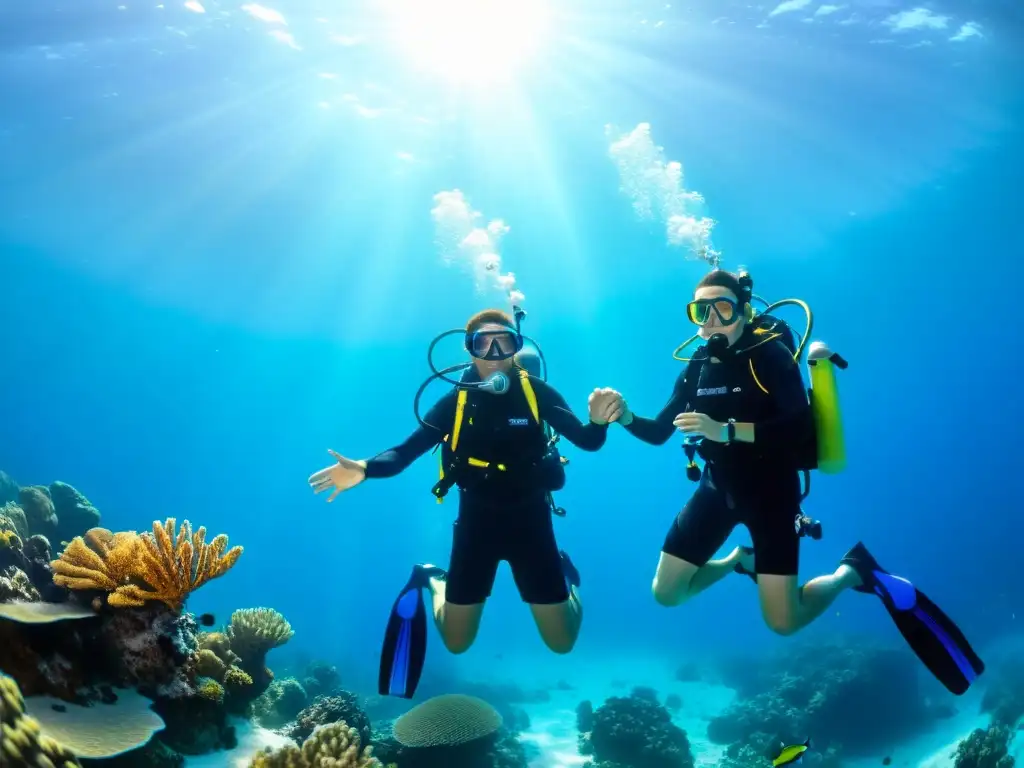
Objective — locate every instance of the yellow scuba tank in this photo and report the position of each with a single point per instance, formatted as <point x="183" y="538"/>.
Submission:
<point x="828" y="423"/>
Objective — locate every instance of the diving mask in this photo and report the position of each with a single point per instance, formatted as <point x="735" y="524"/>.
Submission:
<point x="494" y="345"/>
<point x="699" y="310"/>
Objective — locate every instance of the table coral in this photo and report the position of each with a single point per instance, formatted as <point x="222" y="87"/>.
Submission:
<point x="333" y="746"/>
<point x="22" y="743"/>
<point x="135" y="569"/>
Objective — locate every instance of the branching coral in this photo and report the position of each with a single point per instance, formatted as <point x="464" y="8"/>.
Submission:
<point x="331" y="709"/>
<point x="333" y="746"/>
<point x="154" y="566"/>
<point x="254" y="631"/>
<point x="21" y="740"/>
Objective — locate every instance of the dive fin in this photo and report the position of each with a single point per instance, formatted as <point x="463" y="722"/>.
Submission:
<point x="405" y="639"/>
<point x="932" y="635"/>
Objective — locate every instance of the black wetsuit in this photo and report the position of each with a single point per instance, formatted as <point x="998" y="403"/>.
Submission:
<point x="757" y="484"/>
<point x="502" y="515"/>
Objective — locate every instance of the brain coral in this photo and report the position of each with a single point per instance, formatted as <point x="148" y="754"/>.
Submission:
<point x="447" y="720"/>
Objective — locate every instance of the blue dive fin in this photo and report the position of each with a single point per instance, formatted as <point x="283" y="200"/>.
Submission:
<point x="931" y="634"/>
<point x="405" y="641"/>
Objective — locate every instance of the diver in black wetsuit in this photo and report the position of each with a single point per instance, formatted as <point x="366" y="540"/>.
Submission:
<point x="496" y="451"/>
<point x="742" y="405"/>
<point x="750" y="411"/>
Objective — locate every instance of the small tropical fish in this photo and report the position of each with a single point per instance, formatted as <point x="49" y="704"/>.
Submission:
<point x="886" y="760"/>
<point x="207" y="619"/>
<point x="791" y="755"/>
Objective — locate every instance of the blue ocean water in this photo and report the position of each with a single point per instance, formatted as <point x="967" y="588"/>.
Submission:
<point x="218" y="259"/>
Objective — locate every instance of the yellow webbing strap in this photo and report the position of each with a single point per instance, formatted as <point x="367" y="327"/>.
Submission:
<point x="531" y="396"/>
<point x="460" y="407"/>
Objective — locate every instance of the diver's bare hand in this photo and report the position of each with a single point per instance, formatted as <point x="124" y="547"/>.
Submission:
<point x="342" y="476"/>
<point x="606" y="405"/>
<point x="699" y="424"/>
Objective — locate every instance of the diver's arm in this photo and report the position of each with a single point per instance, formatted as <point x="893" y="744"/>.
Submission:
<point x="556" y="412"/>
<point x="658" y="430"/>
<point x="780" y="375"/>
<point x="394" y="460"/>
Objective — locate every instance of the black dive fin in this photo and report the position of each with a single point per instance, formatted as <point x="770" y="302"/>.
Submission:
<point x="405" y="641"/>
<point x="931" y="634"/>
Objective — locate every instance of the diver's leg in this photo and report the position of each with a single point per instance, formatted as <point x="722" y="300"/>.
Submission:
<point x="685" y="568"/>
<point x="458" y="598"/>
<point x="786" y="606"/>
<point x="546" y="579"/>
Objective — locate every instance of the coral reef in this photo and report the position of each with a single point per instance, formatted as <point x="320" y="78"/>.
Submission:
<point x="333" y="746"/>
<point x="38" y="507"/>
<point x="98" y="641"/>
<point x="343" y="707"/>
<point x="985" y="749"/>
<point x="322" y="679"/>
<point x="636" y="732"/>
<point x="15" y="585"/>
<point x="252" y="633"/>
<point x="280" y="703"/>
<point x="859" y="696"/>
<point x="12" y="518"/>
<point x="22" y="743"/>
<point x="75" y="514"/>
<point x="134" y="569"/>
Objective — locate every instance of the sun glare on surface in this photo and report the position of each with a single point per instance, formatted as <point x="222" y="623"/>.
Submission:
<point x="470" y="41"/>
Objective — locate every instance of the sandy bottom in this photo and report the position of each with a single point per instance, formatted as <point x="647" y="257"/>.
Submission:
<point x="251" y="739"/>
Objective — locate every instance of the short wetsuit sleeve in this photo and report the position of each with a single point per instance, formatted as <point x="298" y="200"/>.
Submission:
<point x="658" y="430"/>
<point x="779" y="373"/>
<point x="394" y="460"/>
<point x="556" y="412"/>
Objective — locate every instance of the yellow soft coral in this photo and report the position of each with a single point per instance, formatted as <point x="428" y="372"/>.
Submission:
<point x="137" y="568"/>
<point x="21" y="740"/>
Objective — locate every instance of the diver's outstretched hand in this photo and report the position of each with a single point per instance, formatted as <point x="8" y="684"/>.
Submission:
<point x="606" y="406"/>
<point x="341" y="476"/>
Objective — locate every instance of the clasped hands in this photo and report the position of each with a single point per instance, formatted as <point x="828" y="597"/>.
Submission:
<point x="606" y="406"/>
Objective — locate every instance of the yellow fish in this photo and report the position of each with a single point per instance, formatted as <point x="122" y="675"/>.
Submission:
<point x="791" y="755"/>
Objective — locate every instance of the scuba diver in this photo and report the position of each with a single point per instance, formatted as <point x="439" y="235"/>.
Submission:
<point x="496" y="429"/>
<point x="742" y="406"/>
